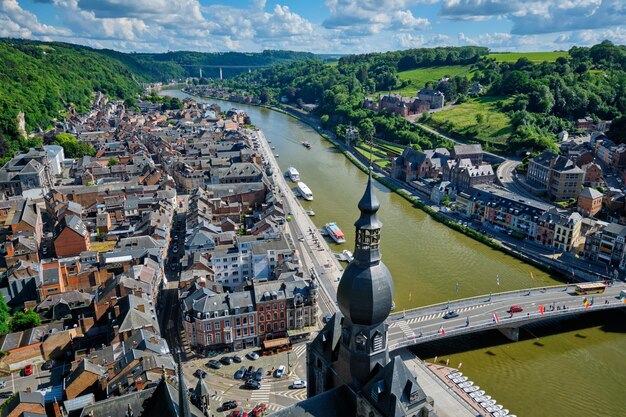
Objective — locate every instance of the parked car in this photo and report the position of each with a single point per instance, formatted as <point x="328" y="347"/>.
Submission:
<point x="327" y="318"/>
<point x="226" y="360"/>
<point x="258" y="410"/>
<point x="253" y="356"/>
<point x="47" y="365"/>
<point x="515" y="309"/>
<point x="237" y="358"/>
<point x="3" y="384"/>
<point x="200" y="373"/>
<point x="240" y="373"/>
<point x="5" y="394"/>
<point x="451" y="314"/>
<point x="259" y="374"/>
<point x="298" y="383"/>
<point x="280" y="371"/>
<point x="249" y="373"/>
<point x="28" y="370"/>
<point x="252" y="384"/>
<point x="238" y="413"/>
<point x="214" y="364"/>
<point x="229" y="405"/>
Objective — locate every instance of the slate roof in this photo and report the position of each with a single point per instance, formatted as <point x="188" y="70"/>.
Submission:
<point x="74" y="223"/>
<point x="591" y="193"/>
<point x="337" y="402"/>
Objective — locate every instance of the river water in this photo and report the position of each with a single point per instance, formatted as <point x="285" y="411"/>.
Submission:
<point x="573" y="373"/>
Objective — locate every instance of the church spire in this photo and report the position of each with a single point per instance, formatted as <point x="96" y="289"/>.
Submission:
<point x="366" y="245"/>
<point x="183" y="400"/>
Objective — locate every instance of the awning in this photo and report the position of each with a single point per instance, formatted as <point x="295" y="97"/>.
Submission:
<point x="274" y="343"/>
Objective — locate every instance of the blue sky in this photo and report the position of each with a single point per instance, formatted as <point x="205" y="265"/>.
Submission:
<point x="321" y="26"/>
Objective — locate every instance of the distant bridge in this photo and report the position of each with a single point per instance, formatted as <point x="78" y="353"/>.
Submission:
<point x="426" y="324"/>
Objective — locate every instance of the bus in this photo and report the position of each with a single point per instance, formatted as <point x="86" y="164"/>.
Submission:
<point x="590" y="288"/>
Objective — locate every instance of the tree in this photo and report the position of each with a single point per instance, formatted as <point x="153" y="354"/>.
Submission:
<point x="24" y="320"/>
<point x="113" y="161"/>
<point x="72" y="147"/>
<point x="4" y="315"/>
<point x="367" y="130"/>
<point x="324" y="119"/>
<point x="100" y="235"/>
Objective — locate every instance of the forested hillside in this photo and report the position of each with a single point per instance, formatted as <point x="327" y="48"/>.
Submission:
<point x="539" y="99"/>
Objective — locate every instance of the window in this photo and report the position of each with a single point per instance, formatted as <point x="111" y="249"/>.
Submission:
<point x="261" y="328"/>
<point x="261" y="318"/>
<point x="227" y="323"/>
<point x="217" y="325"/>
<point x="251" y="331"/>
<point x="218" y="338"/>
<point x="238" y="321"/>
<point x="252" y="319"/>
<point x="208" y="326"/>
<point x="282" y="325"/>
<point x="275" y="316"/>
<point x="209" y="339"/>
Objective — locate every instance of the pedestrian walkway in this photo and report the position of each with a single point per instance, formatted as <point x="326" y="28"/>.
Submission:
<point x="261" y="395"/>
<point x="408" y="332"/>
<point x="294" y="394"/>
<point x="300" y="349"/>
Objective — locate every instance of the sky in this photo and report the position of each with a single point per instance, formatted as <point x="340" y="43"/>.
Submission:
<point x="320" y="26"/>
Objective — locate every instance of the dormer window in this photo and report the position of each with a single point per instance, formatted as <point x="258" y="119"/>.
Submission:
<point x="361" y="342"/>
<point x="378" y="342"/>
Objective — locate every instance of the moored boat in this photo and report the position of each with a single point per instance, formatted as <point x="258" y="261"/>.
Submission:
<point x="335" y="232"/>
<point x="293" y="174"/>
<point x="460" y="379"/>
<point x="310" y="212"/>
<point x="471" y="389"/>
<point x="465" y="384"/>
<point x="349" y="256"/>
<point x="477" y="394"/>
<point x="501" y="413"/>
<point x="488" y="403"/>
<point x="455" y="375"/>
<point x="306" y="145"/>
<point x="305" y="191"/>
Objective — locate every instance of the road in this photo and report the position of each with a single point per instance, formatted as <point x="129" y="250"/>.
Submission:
<point x="39" y="380"/>
<point x="317" y="257"/>
<point x="425" y="324"/>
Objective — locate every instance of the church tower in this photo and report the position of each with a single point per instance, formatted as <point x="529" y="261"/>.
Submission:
<point x="365" y="298"/>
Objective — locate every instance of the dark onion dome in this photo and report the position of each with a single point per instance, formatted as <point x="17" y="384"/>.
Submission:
<point x="365" y="292"/>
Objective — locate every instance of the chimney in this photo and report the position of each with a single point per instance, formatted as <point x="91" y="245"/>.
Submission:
<point x="57" y="409"/>
<point x="116" y="311"/>
<point x="116" y="331"/>
<point x="137" y="292"/>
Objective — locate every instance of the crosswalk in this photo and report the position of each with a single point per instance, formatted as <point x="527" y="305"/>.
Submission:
<point x="408" y="332"/>
<point x="261" y="395"/>
<point x="403" y="324"/>
<point x="300" y="349"/>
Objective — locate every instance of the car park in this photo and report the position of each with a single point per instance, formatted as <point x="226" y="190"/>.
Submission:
<point x="280" y="371"/>
<point x="258" y="376"/>
<point x="298" y="384"/>
<point x="214" y="364"/>
<point x="240" y="373"/>
<point x="252" y="384"/>
<point x="253" y="356"/>
<point x="226" y="360"/>
<point x="237" y="358"/>
<point x="515" y="309"/>
<point x="450" y="315"/>
<point x="229" y="405"/>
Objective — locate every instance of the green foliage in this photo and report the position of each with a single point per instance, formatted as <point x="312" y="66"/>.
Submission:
<point x="24" y="320"/>
<point x="101" y="235"/>
<point x="172" y="103"/>
<point x="4" y="316"/>
<point x="73" y="147"/>
<point x="531" y="56"/>
<point x="113" y="161"/>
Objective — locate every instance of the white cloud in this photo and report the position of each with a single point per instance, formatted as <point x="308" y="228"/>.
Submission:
<point x="20" y="22"/>
<point x="409" y="40"/>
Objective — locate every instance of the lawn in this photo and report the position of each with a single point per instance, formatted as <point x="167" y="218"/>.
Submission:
<point x="532" y="56"/>
<point x="461" y="121"/>
<point x="105" y="246"/>
<point x="419" y="77"/>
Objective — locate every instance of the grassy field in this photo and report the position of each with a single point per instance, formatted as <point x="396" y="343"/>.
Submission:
<point x="532" y="56"/>
<point x="461" y="121"/>
<point x="419" y="77"/>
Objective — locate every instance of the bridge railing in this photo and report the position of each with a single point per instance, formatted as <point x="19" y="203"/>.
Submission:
<point x="517" y="320"/>
<point x="486" y="298"/>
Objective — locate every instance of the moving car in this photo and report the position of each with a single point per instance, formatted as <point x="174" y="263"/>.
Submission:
<point x="252" y="384"/>
<point x="28" y="370"/>
<point x="229" y="405"/>
<point x="515" y="309"/>
<point x="253" y="356"/>
<point x="214" y="364"/>
<point x="240" y="373"/>
<point x="298" y="383"/>
<point x="450" y="315"/>
<point x="280" y="371"/>
<point x="200" y="373"/>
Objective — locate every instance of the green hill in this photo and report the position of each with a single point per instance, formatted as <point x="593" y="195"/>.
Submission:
<point x="531" y="56"/>
<point x="415" y="79"/>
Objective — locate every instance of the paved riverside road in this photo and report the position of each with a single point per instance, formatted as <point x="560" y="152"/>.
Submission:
<point x="426" y="324"/>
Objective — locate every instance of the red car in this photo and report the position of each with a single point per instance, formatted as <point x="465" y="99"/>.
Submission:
<point x="258" y="410"/>
<point x="238" y="413"/>
<point x="516" y="309"/>
<point x="28" y="370"/>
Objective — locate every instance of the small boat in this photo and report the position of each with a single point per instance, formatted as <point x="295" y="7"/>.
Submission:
<point x="273" y="147"/>
<point x="465" y="384"/>
<point x="489" y="403"/>
<point x="269" y="141"/>
<point x="460" y="379"/>
<point x="482" y="399"/>
<point x="276" y="155"/>
<point x="455" y="375"/>
<point x="477" y="394"/>
<point x="310" y="212"/>
<point x="306" y="145"/>
<point x="494" y="408"/>
<point x="473" y="388"/>
<point x="293" y="174"/>
<point x="349" y="256"/>
<point x="501" y="413"/>
<point x="305" y="191"/>
<point x="335" y="232"/>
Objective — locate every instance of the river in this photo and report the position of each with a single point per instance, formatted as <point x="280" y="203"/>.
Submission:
<point x="574" y="373"/>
